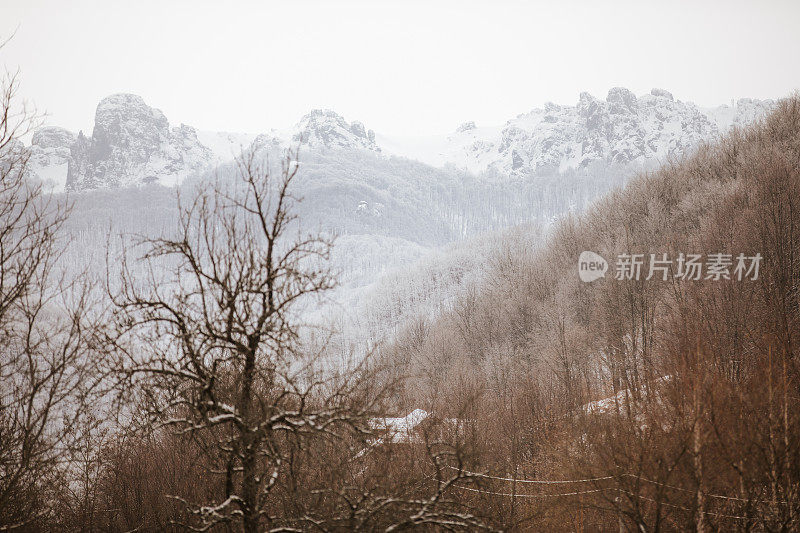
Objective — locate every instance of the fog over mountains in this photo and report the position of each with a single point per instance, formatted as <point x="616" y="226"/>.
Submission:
<point x="417" y="219"/>
<point x="133" y="143"/>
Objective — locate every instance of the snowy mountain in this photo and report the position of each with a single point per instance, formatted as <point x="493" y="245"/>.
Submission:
<point x="621" y="129"/>
<point x="133" y="143"/>
<point x="325" y="129"/>
<point x="392" y="215"/>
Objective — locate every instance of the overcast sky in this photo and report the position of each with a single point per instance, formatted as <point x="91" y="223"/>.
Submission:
<point x="409" y="68"/>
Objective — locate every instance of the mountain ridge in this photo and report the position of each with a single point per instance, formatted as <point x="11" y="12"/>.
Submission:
<point x="133" y="144"/>
<point x="621" y="129"/>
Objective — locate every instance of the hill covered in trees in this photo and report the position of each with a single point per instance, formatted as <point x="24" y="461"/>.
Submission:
<point x="664" y="403"/>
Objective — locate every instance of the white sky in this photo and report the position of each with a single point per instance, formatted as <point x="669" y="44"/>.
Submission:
<point x="407" y="67"/>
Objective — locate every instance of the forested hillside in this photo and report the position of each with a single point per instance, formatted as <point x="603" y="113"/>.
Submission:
<point x="664" y="404"/>
<point x="387" y="213"/>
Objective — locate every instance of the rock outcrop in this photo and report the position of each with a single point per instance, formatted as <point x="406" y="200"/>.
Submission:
<point x="621" y="129"/>
<point x="325" y="128"/>
<point x="132" y="144"/>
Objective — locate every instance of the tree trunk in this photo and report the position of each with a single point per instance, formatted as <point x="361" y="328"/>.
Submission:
<point x="249" y="450"/>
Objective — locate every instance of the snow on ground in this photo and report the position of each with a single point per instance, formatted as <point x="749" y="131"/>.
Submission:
<point x="608" y="405"/>
<point x="399" y="429"/>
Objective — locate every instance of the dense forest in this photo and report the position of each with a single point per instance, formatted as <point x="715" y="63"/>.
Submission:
<point x="182" y="387"/>
<point x="660" y="404"/>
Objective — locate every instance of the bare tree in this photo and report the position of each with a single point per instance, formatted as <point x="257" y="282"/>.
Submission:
<point x="46" y="367"/>
<point x="432" y="501"/>
<point x="214" y="347"/>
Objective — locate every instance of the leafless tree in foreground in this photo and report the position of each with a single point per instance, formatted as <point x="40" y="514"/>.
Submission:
<point x="46" y="368"/>
<point x="214" y="347"/>
<point x="407" y="487"/>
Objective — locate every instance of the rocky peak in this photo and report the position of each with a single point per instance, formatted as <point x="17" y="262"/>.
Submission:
<point x="357" y="129"/>
<point x="585" y="100"/>
<point x="467" y="126"/>
<point x="125" y="115"/>
<point x="132" y="144"/>
<point x="326" y="129"/>
<point x="621" y="129"/>
<point x="50" y="145"/>
<point x="52" y="137"/>
<point x="621" y="99"/>
<point x="663" y="94"/>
